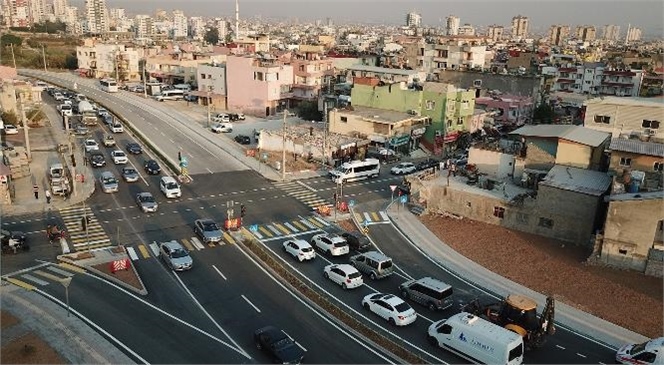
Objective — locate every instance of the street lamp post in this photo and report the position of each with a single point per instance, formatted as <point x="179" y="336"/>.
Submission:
<point x="209" y="89"/>
<point x="283" y="148"/>
<point x="65" y="282"/>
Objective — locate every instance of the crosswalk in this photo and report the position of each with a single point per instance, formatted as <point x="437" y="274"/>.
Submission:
<point x="368" y="218"/>
<point x="303" y="193"/>
<point x="302" y="225"/>
<point x="43" y="275"/>
<point x="142" y="251"/>
<point x="95" y="237"/>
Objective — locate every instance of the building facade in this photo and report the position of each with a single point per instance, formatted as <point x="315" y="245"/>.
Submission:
<point x="559" y="34"/>
<point x="586" y="33"/>
<point x="96" y="16"/>
<point x="631" y="116"/>
<point x="520" y="26"/>
<point x="598" y="79"/>
<point x="611" y="32"/>
<point x="495" y="32"/>
<point x="459" y="56"/>
<point x="311" y="74"/>
<point x="452" y="25"/>
<point x="108" y="61"/>
<point x="513" y="110"/>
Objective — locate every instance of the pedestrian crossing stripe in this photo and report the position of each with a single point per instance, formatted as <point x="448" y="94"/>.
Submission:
<point x="308" y="224"/>
<point x="34" y="279"/>
<point x="154" y="247"/>
<point x="48" y="275"/>
<point x="290" y="226"/>
<point x="21" y="283"/>
<point x="187" y="244"/>
<point x="276" y="232"/>
<point x="59" y="271"/>
<point x="197" y="243"/>
<point x="384" y="216"/>
<point x="281" y="228"/>
<point x="315" y="222"/>
<point x="95" y="237"/>
<point x="300" y="226"/>
<point x="70" y="267"/>
<point x="265" y="231"/>
<point x="144" y="251"/>
<point x="374" y="215"/>
<point x="132" y="253"/>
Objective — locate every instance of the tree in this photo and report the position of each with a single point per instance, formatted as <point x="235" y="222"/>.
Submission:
<point x="212" y="36"/>
<point x="8" y="39"/>
<point x="308" y="110"/>
<point x="71" y="62"/>
<point x="543" y="114"/>
<point x="10" y="117"/>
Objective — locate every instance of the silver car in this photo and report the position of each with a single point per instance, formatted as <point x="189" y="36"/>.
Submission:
<point x="109" y="183"/>
<point x="129" y="174"/>
<point x="208" y="230"/>
<point x="175" y="256"/>
<point x="146" y="202"/>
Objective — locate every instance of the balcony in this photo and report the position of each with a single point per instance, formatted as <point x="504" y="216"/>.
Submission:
<point x="565" y="81"/>
<point x="307" y="86"/>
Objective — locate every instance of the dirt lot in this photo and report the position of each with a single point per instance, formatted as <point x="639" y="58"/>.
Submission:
<point x="27" y="349"/>
<point x="626" y="298"/>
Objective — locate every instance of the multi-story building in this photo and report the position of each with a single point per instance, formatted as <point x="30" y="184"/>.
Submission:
<point x="196" y="27"/>
<point x="598" y="79"/>
<point x="222" y="28"/>
<point x="144" y="26"/>
<point x="17" y="13"/>
<point x="626" y="116"/>
<point x="96" y="16"/>
<point x="413" y="20"/>
<point x="586" y="33"/>
<point x="520" y="25"/>
<point x="458" y="55"/>
<point x="37" y="11"/>
<point x="258" y="85"/>
<point x="311" y="74"/>
<point x="386" y="75"/>
<point x="452" y="25"/>
<point x="495" y="32"/>
<point x="467" y="29"/>
<point x="100" y="61"/>
<point x="116" y="16"/>
<point x="633" y="34"/>
<point x="513" y="110"/>
<point x="211" y="80"/>
<point x="60" y="9"/>
<point x="179" y="67"/>
<point x="558" y="34"/>
<point x="180" y="27"/>
<point x="72" y="21"/>
<point x="611" y="32"/>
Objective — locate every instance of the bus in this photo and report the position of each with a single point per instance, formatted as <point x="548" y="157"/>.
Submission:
<point x="169" y="95"/>
<point x="356" y="170"/>
<point x="109" y="85"/>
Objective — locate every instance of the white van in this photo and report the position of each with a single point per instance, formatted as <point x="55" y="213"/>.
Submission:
<point x="649" y="352"/>
<point x="170" y="187"/>
<point x="477" y="340"/>
<point x="356" y="170"/>
<point x="169" y="95"/>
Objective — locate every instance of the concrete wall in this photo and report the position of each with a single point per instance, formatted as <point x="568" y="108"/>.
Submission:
<point x="355" y="124"/>
<point x="391" y="97"/>
<point x="623" y="118"/>
<point x="253" y="96"/>
<point x="630" y="231"/>
<point x="574" y="154"/>
<point x="493" y="163"/>
<point x="639" y="162"/>
<point x="573" y="214"/>
<point x="215" y="77"/>
<point x="538" y="158"/>
<point x="514" y="85"/>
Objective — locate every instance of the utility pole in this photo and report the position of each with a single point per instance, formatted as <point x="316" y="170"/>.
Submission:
<point x="25" y="127"/>
<point x="209" y="88"/>
<point x="43" y="56"/>
<point x="11" y="46"/>
<point x="283" y="148"/>
<point x="324" y="129"/>
<point x="117" y="65"/>
<point x="145" y="81"/>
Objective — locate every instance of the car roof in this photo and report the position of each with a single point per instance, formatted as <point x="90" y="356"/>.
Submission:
<point x="299" y="242"/>
<point x="205" y="220"/>
<point x="144" y="193"/>
<point x="347" y="268"/>
<point x="172" y="245"/>
<point x="168" y="179"/>
<point x="392" y="299"/>
<point x="433" y="283"/>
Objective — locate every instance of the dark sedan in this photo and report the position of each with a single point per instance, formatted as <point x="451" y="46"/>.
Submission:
<point x="427" y="164"/>
<point x="281" y="348"/>
<point x="242" y="139"/>
<point x="152" y="167"/>
<point x="97" y="160"/>
<point x="134" y="148"/>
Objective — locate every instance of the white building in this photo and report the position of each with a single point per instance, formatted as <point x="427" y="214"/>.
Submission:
<point x="452" y="25"/>
<point x="96" y="15"/>
<point x="495" y="32"/>
<point x="641" y="116"/>
<point x="413" y="20"/>
<point x="458" y="56"/>
<point x="60" y="10"/>
<point x="222" y="28"/>
<point x="16" y="13"/>
<point x="144" y="26"/>
<point x="72" y="21"/>
<point x="37" y="11"/>
<point x="520" y="25"/>
<point x="611" y="32"/>
<point x="180" y="28"/>
<point x="108" y="60"/>
<point x="197" y="27"/>
<point x="466" y="29"/>
<point x="597" y="79"/>
<point x="633" y="34"/>
<point x="211" y="77"/>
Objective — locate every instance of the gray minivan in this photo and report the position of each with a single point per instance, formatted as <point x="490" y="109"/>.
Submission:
<point x="374" y="264"/>
<point x="431" y="293"/>
<point x="109" y="184"/>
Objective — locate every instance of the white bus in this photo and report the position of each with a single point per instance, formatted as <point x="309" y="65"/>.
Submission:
<point x="356" y="170"/>
<point x="169" y="95"/>
<point x="109" y="85"/>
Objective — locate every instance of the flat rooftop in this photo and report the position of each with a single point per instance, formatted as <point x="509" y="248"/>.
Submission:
<point x="380" y="115"/>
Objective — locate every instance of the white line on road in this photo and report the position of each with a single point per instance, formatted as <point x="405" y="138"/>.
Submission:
<point x="582" y="355"/>
<point x="292" y="339"/>
<point x="250" y="303"/>
<point x="219" y="272"/>
<point x="560" y="347"/>
<point x="306" y="186"/>
<point x="210" y="171"/>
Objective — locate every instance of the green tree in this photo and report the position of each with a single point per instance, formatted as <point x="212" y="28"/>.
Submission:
<point x="10" y="117"/>
<point x="212" y="36"/>
<point x="308" y="110"/>
<point x="71" y="62"/>
<point x="543" y="114"/>
<point x="8" y="39"/>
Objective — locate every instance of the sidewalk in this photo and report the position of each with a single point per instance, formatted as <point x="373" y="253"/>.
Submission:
<point x="571" y="318"/>
<point x="44" y="143"/>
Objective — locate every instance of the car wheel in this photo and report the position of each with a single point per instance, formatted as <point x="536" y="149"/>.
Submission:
<point x="391" y="321"/>
<point x="343" y="286"/>
<point x="404" y="294"/>
<point x="432" y="340"/>
<point x="372" y="276"/>
<point x="326" y="275"/>
<point x="328" y="252"/>
<point x="366" y="306"/>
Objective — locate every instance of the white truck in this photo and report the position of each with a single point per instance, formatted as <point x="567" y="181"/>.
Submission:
<point x="88" y="113"/>
<point x="477" y="340"/>
<point x="58" y="179"/>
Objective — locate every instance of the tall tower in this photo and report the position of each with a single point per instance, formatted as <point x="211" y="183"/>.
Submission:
<point x="452" y="25"/>
<point x="519" y="27"/>
<point x="413" y="20"/>
<point x="237" y="19"/>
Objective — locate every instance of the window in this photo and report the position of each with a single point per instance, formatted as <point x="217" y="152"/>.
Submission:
<point x="446" y="329"/>
<point x="203" y="76"/>
<point x="465" y="104"/>
<point x="659" y="234"/>
<point x="652" y="124"/>
<point x="648" y="357"/>
<point x="546" y="222"/>
<point x="460" y="121"/>
<point x="625" y="162"/>
<point x="430" y="105"/>
<point x="449" y="122"/>
<point x="659" y="166"/>
<point x="499" y="212"/>
<point x="602" y="119"/>
<point x="344" y="120"/>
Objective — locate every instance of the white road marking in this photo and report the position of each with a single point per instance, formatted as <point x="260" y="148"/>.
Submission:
<point x="560" y="347"/>
<point x="582" y="355"/>
<point x="197" y="243"/>
<point x="219" y="272"/>
<point x="250" y="303"/>
<point x="132" y="253"/>
<point x="210" y="171"/>
<point x="306" y="186"/>
<point x="292" y="339"/>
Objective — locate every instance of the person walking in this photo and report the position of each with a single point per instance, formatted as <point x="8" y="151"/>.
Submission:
<point x="454" y="169"/>
<point x="35" y="189"/>
<point x="48" y="197"/>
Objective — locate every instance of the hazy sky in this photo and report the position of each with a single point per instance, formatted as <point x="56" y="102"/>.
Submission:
<point x="649" y="15"/>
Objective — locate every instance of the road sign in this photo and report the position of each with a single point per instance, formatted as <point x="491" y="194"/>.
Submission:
<point x="184" y="162"/>
<point x="404" y="198"/>
<point x="365" y="223"/>
<point x="393" y="187"/>
<point x="351" y="203"/>
<point x="253" y="227"/>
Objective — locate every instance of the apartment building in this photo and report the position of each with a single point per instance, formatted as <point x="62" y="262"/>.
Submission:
<point x="611" y="32"/>
<point x="520" y="26"/>
<point x="559" y="34"/>
<point x="513" y="110"/>
<point x="632" y="116"/>
<point x="452" y="25"/>
<point x="96" y="16"/>
<point x="180" y="27"/>
<point x="211" y="81"/>
<point x="598" y="79"/>
<point x="586" y="33"/>
<point x="311" y="73"/>
<point x="100" y="61"/>
<point x="144" y="26"/>
<point x="459" y="56"/>
<point x="495" y="32"/>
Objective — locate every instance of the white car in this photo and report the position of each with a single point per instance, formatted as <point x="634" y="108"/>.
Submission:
<point x="403" y="168"/>
<point x="119" y="157"/>
<point x="222" y="118"/>
<point x="11" y="129"/>
<point x="299" y="249"/>
<point x="331" y="244"/>
<point x="386" y="152"/>
<point x="343" y="274"/>
<point x="390" y="307"/>
<point x="117" y="128"/>
<point x="90" y="145"/>
<point x="222" y="127"/>
<point x="170" y="187"/>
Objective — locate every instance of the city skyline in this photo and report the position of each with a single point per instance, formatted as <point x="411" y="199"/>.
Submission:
<point x="542" y="13"/>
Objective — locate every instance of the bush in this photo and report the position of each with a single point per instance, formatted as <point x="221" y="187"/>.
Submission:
<point x="10" y="117"/>
<point x="308" y="110"/>
<point x="36" y="116"/>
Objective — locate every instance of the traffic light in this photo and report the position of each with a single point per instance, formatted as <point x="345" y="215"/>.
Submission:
<point x="243" y="210"/>
<point x="73" y="160"/>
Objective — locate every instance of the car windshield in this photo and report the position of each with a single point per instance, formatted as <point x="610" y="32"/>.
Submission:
<point x="179" y="252"/>
<point x="110" y="180"/>
<point x="402" y="307"/>
<point x="129" y="171"/>
<point x="307" y="249"/>
<point x="638" y="348"/>
<point x="97" y="157"/>
<point x="354" y="275"/>
<point x="171" y="185"/>
<point x="210" y="226"/>
<point x="147" y="198"/>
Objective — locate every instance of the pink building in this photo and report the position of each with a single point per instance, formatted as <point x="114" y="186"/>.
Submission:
<point x="512" y="109"/>
<point x="312" y="72"/>
<point x="258" y="85"/>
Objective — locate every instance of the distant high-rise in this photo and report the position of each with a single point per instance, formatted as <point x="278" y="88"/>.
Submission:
<point x="633" y="34"/>
<point x="96" y="16"/>
<point x="413" y="20"/>
<point x="330" y="22"/>
<point x="611" y="32"/>
<point x="197" y="27"/>
<point x="144" y="25"/>
<point x="495" y="32"/>
<point x="37" y="11"/>
<point x="60" y="9"/>
<point x="558" y="34"/>
<point x="180" y="26"/>
<point x="466" y="29"/>
<point x="222" y="29"/>
<point x="520" y="25"/>
<point x="586" y="33"/>
<point x="72" y="21"/>
<point x="452" y="25"/>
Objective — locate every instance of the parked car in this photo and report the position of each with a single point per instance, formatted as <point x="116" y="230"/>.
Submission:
<point x="90" y="145"/>
<point x="222" y="118"/>
<point x="390" y="307"/>
<point x="242" y="139"/>
<point x="331" y="244"/>
<point x="208" y="230"/>
<point x="129" y="174"/>
<point x="97" y="159"/>
<point x="299" y="249"/>
<point x="10" y="129"/>
<point x="152" y="167"/>
<point x="279" y="346"/>
<point x="236" y="116"/>
<point x="428" y="164"/>
<point x="403" y="168"/>
<point x="146" y="202"/>
<point x="175" y="256"/>
<point x="119" y="157"/>
<point x="222" y="127"/>
<point x="357" y="241"/>
<point x="343" y="274"/>
<point x="134" y="148"/>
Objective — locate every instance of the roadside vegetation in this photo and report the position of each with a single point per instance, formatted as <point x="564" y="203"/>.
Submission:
<point x="25" y="48"/>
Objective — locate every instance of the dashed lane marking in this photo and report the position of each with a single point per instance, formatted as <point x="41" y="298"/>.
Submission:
<point x="34" y="279"/>
<point x="265" y="231"/>
<point x="187" y="244"/>
<point x="56" y="270"/>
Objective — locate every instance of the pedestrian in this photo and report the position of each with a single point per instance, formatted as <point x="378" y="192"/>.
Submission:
<point x="441" y="165"/>
<point x="454" y="169"/>
<point x="85" y="160"/>
<point x="35" y="189"/>
<point x="48" y="197"/>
